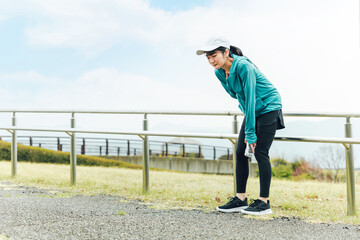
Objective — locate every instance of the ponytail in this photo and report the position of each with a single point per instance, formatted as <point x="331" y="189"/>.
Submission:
<point x="235" y="50"/>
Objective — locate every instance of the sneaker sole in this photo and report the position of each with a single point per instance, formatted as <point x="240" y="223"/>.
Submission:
<point x="267" y="211"/>
<point x="238" y="209"/>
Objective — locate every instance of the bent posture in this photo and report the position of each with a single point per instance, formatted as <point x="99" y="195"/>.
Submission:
<point x="261" y="104"/>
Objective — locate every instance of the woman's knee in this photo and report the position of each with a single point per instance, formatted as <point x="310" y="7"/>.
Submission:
<point x="240" y="149"/>
<point x="261" y="155"/>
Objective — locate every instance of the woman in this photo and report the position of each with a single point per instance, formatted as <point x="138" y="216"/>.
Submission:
<point x="261" y="103"/>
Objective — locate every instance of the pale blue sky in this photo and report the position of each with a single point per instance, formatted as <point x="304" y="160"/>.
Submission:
<point x="174" y="6"/>
<point x="140" y="54"/>
<point x="69" y="63"/>
<point x="152" y="43"/>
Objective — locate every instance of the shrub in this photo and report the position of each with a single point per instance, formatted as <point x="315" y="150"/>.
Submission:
<point x="279" y="162"/>
<point x="194" y="155"/>
<point x="187" y="155"/>
<point x="305" y="170"/>
<point x="283" y="171"/>
<point x="281" y="168"/>
<point x="299" y="170"/>
<point x="334" y="175"/>
<point x="40" y="155"/>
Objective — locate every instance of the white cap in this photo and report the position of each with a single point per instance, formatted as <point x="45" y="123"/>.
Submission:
<point x="212" y="44"/>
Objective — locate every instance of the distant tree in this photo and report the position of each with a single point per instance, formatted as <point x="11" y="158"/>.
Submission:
<point x="331" y="158"/>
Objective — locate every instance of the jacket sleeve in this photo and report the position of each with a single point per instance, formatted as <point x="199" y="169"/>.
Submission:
<point x="223" y="83"/>
<point x="248" y="77"/>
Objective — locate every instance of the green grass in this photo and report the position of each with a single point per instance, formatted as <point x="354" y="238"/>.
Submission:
<point x="3" y="237"/>
<point x="121" y="213"/>
<point x="311" y="201"/>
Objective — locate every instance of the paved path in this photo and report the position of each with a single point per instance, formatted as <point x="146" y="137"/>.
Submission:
<point x="31" y="213"/>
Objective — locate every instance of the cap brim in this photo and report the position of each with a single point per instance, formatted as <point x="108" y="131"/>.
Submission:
<point x="200" y="52"/>
<point x="206" y="49"/>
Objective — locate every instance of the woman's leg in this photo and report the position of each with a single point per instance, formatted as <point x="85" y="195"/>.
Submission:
<point x="266" y="126"/>
<point x="242" y="164"/>
<point x="239" y="202"/>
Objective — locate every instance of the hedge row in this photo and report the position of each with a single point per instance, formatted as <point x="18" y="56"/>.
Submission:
<point x="40" y="155"/>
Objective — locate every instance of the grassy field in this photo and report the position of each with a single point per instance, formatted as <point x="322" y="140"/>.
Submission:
<point x="2" y="237"/>
<point x="311" y="201"/>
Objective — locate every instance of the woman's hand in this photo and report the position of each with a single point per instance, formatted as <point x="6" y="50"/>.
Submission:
<point x="253" y="146"/>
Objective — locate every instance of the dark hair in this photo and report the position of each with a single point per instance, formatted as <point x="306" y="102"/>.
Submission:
<point x="236" y="51"/>
<point x="233" y="50"/>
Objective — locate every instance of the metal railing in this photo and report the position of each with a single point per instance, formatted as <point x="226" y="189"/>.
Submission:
<point x="347" y="141"/>
<point x="105" y="146"/>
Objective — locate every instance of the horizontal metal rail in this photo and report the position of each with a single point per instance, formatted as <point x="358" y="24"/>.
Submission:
<point x="229" y="136"/>
<point x="218" y="113"/>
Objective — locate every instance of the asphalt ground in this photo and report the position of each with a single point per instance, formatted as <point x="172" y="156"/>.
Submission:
<point x="32" y="213"/>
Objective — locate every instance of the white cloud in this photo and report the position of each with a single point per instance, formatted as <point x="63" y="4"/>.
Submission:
<point x="94" y="25"/>
<point x="308" y="49"/>
<point x="29" y="77"/>
<point x="109" y="89"/>
<point x="105" y="88"/>
<point x="88" y="25"/>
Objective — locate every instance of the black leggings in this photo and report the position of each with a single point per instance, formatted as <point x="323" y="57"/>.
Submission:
<point x="266" y="126"/>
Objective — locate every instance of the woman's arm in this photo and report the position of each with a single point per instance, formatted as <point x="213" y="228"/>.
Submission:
<point x="248" y="76"/>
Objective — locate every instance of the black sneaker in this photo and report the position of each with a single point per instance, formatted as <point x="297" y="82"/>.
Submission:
<point x="234" y="205"/>
<point x="258" y="207"/>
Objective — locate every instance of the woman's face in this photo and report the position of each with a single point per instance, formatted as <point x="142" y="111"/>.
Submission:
<point x="217" y="59"/>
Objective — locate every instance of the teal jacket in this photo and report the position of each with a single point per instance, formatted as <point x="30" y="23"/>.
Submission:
<point x="254" y="92"/>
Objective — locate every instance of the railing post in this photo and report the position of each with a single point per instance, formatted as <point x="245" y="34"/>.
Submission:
<point x="107" y="147"/>
<point x="83" y="147"/>
<point x="235" y="131"/>
<point x="58" y="144"/>
<point x="13" y="148"/>
<point x="145" y="158"/>
<point x="73" y="153"/>
<point x="128" y="147"/>
<point x="350" y="175"/>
